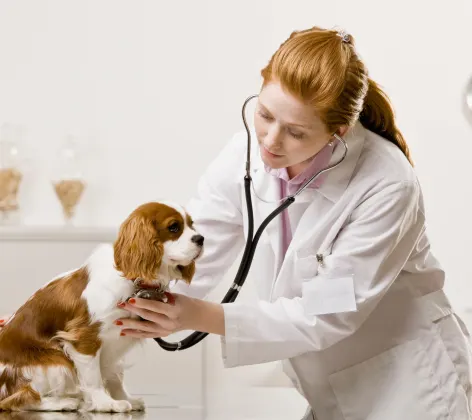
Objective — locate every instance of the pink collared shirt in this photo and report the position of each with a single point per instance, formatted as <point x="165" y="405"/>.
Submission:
<point x="290" y="186"/>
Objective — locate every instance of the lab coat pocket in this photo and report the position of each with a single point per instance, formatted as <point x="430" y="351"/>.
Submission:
<point x="401" y="383"/>
<point x="327" y="286"/>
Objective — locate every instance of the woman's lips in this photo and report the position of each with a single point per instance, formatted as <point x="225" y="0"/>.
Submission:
<point x="270" y="154"/>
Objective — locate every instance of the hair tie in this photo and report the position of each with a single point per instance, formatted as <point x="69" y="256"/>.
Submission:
<point x="345" y="37"/>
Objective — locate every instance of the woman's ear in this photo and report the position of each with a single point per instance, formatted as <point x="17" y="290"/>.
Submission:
<point x="341" y="131"/>
<point x="187" y="271"/>
<point x="138" y="252"/>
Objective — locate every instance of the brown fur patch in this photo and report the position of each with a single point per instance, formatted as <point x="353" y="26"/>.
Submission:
<point x="34" y="336"/>
<point x="189" y="220"/>
<point x="12" y="380"/>
<point x="138" y="252"/>
<point x="21" y="393"/>
<point x="188" y="272"/>
<point x="138" y="249"/>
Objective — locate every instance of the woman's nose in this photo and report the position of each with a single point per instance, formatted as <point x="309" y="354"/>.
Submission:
<point x="273" y="139"/>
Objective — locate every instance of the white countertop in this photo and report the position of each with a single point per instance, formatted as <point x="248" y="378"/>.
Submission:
<point x="57" y="233"/>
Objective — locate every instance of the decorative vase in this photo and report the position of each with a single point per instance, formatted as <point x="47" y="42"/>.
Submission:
<point x="11" y="173"/>
<point x="68" y="180"/>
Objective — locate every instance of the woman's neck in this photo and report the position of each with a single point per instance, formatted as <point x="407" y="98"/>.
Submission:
<point x="297" y="169"/>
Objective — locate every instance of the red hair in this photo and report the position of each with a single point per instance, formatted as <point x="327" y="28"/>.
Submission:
<point x="322" y="68"/>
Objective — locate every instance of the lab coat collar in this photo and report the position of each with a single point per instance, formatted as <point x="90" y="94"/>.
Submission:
<point x="337" y="179"/>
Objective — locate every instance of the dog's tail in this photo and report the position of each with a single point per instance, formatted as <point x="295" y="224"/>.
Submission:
<point x="15" y="389"/>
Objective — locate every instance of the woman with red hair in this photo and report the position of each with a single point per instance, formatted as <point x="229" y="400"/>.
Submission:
<point x="350" y="295"/>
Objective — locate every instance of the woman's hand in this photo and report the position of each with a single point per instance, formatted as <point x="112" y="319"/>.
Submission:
<point x="3" y="320"/>
<point x="162" y="319"/>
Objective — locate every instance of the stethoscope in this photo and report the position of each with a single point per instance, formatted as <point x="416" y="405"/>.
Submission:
<point x="252" y="239"/>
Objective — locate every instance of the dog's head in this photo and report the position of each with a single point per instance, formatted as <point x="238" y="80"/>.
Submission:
<point x="157" y="233"/>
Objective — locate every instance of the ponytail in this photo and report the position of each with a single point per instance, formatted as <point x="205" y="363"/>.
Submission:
<point x="378" y="116"/>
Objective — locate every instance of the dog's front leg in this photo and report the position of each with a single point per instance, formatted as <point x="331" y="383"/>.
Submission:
<point x="112" y="372"/>
<point x="113" y="378"/>
<point x="91" y="383"/>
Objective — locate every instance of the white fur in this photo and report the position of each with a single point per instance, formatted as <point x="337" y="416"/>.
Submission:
<point x="55" y="404"/>
<point x="91" y="383"/>
<point x="106" y="287"/>
<point x="2" y="387"/>
<point x="183" y="249"/>
<point x="54" y="381"/>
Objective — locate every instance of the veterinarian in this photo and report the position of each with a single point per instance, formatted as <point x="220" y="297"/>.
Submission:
<point x="350" y="294"/>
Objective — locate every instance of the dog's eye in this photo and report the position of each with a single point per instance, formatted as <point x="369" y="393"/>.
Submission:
<point x="174" y="227"/>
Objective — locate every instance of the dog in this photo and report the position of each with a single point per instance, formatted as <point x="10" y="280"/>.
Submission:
<point x="61" y="350"/>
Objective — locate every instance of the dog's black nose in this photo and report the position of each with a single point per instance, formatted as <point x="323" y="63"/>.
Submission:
<point x="198" y="239"/>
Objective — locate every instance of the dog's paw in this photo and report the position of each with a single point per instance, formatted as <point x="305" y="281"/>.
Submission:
<point x="108" y="405"/>
<point x="69" y="404"/>
<point x="122" y="406"/>
<point x="137" y="404"/>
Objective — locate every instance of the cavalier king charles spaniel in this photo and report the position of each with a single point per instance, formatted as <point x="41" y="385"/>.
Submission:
<point x="61" y="350"/>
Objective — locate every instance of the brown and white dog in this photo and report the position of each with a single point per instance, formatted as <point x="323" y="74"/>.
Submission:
<point x="61" y="350"/>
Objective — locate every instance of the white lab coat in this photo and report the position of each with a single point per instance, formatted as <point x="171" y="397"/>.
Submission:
<point x="368" y="334"/>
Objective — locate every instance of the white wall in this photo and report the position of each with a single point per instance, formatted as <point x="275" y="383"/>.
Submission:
<point x="149" y="85"/>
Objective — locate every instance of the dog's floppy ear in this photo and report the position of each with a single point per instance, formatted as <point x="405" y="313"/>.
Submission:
<point x="188" y="271"/>
<point x="137" y="250"/>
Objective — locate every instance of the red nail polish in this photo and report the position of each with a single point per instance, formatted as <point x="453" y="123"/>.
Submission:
<point x="170" y="298"/>
<point x="122" y="333"/>
<point x="118" y="323"/>
<point x="121" y="305"/>
<point x="1" y="321"/>
<point x="132" y="300"/>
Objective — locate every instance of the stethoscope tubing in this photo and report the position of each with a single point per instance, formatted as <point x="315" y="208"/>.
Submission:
<point x="251" y="241"/>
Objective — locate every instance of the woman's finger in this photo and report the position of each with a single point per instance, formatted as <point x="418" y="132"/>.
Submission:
<point x="136" y="324"/>
<point x="143" y="334"/>
<point x="152" y="305"/>
<point x="4" y="319"/>
<point x="149" y="315"/>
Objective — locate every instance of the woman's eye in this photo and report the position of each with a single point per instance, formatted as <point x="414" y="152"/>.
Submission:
<point x="265" y="116"/>
<point x="298" y="136"/>
<point x="174" y="227"/>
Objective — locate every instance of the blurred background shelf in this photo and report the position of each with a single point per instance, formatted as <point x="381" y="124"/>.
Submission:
<point x="58" y="233"/>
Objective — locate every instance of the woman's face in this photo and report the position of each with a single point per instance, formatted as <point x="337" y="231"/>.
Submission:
<point x="288" y="131"/>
